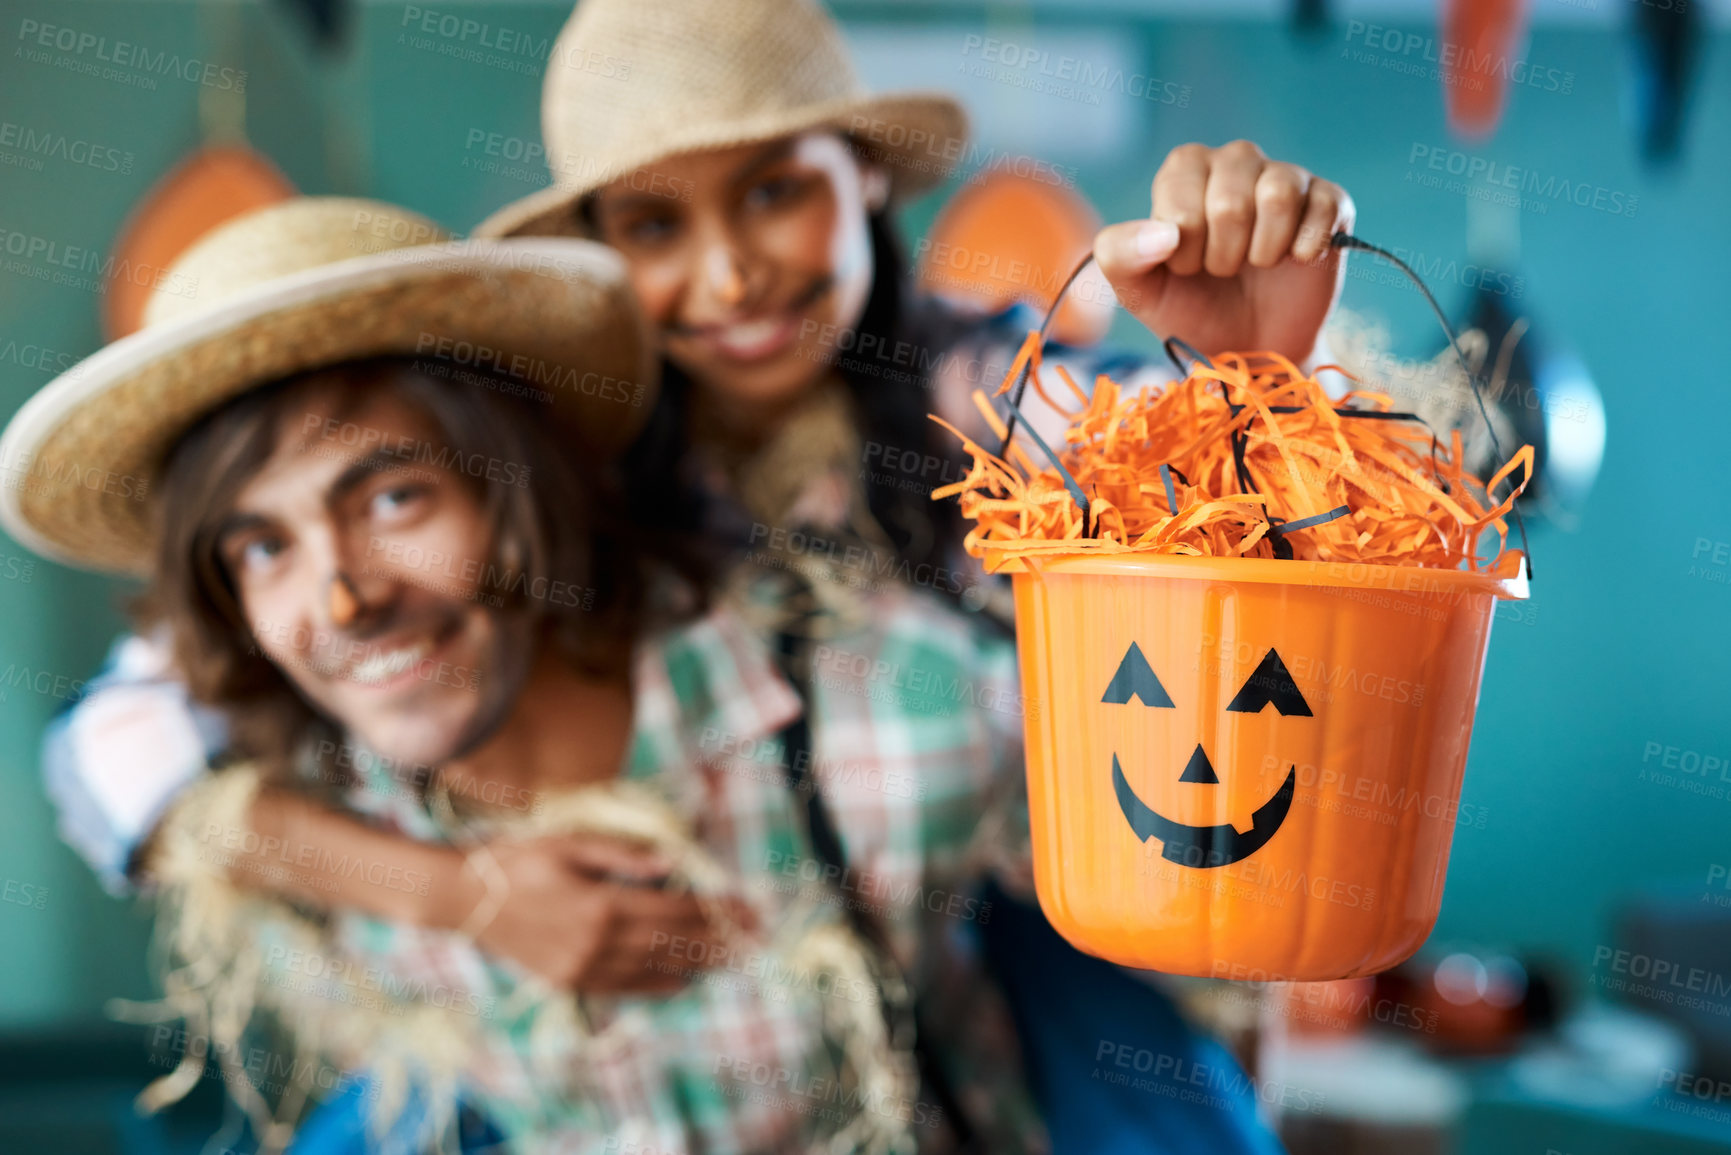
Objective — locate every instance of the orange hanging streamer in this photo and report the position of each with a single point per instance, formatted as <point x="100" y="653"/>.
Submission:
<point x="1408" y="500"/>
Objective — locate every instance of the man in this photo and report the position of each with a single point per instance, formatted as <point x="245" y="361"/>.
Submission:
<point x="366" y="561"/>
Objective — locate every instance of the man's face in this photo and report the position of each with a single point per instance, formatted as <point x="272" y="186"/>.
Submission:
<point x="358" y="562"/>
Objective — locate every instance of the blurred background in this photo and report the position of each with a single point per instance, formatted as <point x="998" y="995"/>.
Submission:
<point x="1578" y="985"/>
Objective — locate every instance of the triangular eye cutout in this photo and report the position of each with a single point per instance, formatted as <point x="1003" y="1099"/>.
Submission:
<point x="1270" y="683"/>
<point x="1135" y="679"/>
<point x="1199" y="769"/>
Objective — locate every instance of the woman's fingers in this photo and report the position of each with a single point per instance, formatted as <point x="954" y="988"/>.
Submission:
<point x="1279" y="198"/>
<point x="663" y="940"/>
<point x="1328" y="210"/>
<point x="1229" y="204"/>
<point x="1130" y="248"/>
<point x="1179" y="191"/>
<point x="605" y="857"/>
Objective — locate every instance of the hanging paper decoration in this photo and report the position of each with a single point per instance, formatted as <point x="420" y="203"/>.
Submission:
<point x="1480" y="42"/>
<point x="209" y="187"/>
<point x="1005" y="238"/>
<point x="1666" y="46"/>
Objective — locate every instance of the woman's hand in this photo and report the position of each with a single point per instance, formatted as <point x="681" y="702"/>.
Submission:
<point x="1236" y="255"/>
<point x="584" y="912"/>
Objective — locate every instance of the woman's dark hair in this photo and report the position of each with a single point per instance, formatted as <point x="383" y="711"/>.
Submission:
<point x="552" y="511"/>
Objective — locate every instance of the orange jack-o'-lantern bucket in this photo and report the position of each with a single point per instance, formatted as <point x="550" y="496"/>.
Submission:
<point x="1248" y="768"/>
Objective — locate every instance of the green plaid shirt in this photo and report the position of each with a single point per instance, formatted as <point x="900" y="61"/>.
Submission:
<point x="915" y="735"/>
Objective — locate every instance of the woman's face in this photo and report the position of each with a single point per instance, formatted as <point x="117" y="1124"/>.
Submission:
<point x="750" y="261"/>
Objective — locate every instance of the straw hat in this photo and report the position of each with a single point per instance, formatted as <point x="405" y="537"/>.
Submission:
<point x="299" y="285"/>
<point x="632" y="81"/>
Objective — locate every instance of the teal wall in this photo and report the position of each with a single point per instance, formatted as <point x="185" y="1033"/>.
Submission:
<point x="1621" y="647"/>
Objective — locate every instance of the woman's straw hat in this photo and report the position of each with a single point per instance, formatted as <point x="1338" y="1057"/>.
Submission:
<point x="300" y="285"/>
<point x="632" y="81"/>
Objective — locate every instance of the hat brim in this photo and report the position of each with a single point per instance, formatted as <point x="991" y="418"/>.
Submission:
<point x="919" y="138"/>
<point x="79" y="460"/>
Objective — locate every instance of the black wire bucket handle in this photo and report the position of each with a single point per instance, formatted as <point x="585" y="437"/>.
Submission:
<point x="1175" y="345"/>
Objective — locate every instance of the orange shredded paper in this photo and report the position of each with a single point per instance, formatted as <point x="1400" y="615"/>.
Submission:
<point x="1408" y="500"/>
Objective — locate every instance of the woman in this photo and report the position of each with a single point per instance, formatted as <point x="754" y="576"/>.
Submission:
<point x="747" y="182"/>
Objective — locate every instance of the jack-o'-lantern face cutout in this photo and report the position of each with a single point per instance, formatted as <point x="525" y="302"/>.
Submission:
<point x="1269" y="685"/>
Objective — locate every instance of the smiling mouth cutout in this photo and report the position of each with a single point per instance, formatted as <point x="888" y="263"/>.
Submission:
<point x="1205" y="846"/>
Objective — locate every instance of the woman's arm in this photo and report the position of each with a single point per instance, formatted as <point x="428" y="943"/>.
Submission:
<point x="114" y="762"/>
<point x="584" y="913"/>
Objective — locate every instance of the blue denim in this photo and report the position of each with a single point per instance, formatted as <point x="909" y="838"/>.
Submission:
<point x="1084" y="1024"/>
<point x="339" y="1127"/>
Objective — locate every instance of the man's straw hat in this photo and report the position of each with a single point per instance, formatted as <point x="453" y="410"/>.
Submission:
<point x="299" y="285"/>
<point x="632" y="81"/>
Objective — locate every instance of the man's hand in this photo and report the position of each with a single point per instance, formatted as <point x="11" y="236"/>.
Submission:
<point x="584" y="913"/>
<point x="1236" y="255"/>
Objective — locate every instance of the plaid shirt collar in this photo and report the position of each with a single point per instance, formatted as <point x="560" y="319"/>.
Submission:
<point x="704" y="688"/>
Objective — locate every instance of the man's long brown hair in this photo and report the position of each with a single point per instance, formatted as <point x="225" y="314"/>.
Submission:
<point x="557" y="528"/>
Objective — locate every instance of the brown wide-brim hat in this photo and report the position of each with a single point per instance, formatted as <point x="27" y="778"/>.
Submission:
<point x="631" y="82"/>
<point x="301" y="285"/>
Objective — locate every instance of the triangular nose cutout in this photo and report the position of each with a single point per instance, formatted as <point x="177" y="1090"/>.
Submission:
<point x="1199" y="769"/>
